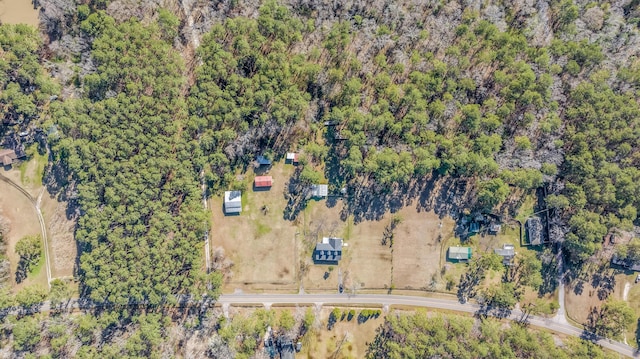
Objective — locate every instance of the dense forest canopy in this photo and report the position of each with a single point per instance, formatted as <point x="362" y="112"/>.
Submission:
<point x="132" y="160"/>
<point x="24" y="85"/>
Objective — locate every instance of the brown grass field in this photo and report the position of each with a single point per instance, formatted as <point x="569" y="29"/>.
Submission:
<point x="21" y="220"/>
<point x="267" y="250"/>
<point x="62" y="245"/>
<point x="262" y="246"/>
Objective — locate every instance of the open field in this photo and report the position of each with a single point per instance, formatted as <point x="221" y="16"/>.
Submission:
<point x="62" y="245"/>
<point x="368" y="263"/>
<point x="261" y="244"/>
<point x="266" y="250"/>
<point x="417" y="247"/>
<point x="21" y="220"/>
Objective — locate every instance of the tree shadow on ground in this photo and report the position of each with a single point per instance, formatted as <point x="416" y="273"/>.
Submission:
<point x="549" y="275"/>
<point x="22" y="271"/>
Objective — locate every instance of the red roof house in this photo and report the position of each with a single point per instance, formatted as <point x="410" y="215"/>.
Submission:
<point x="263" y="181"/>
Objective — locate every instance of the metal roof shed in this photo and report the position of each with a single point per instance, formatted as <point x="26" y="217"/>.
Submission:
<point x="232" y="202"/>
<point x="263" y="181"/>
<point x="319" y="190"/>
<point x="460" y="253"/>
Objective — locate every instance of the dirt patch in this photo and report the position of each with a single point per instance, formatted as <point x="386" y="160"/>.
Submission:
<point x="21" y="220"/>
<point x="18" y="12"/>
<point x="259" y="242"/>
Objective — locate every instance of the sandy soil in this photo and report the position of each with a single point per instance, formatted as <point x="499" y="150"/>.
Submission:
<point x="417" y="248"/>
<point x="18" y="12"/>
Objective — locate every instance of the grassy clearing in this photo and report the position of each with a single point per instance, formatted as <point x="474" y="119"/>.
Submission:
<point x="32" y="171"/>
<point x="526" y="209"/>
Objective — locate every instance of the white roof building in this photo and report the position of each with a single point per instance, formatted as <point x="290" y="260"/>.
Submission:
<point x="319" y="190"/>
<point x="232" y="202"/>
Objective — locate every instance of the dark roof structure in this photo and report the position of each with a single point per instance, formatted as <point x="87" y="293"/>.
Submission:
<point x="474" y="227"/>
<point x="285" y="347"/>
<point x="534" y="230"/>
<point x="329" y="250"/>
<point x="626" y="264"/>
<point x="263" y="161"/>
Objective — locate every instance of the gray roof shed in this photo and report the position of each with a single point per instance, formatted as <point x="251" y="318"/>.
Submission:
<point x="232" y="202"/>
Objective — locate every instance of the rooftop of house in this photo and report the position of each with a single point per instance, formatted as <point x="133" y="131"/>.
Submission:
<point x="330" y="249"/>
<point x="534" y="230"/>
<point x="7" y="156"/>
<point x="507" y="250"/>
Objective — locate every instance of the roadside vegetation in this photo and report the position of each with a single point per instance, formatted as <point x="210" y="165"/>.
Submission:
<point x="423" y="335"/>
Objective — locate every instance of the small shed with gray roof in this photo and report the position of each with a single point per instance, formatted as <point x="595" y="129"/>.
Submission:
<point x="533" y="226"/>
<point x="232" y="202"/>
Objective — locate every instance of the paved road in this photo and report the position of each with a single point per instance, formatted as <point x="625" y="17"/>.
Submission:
<point x="554" y="324"/>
